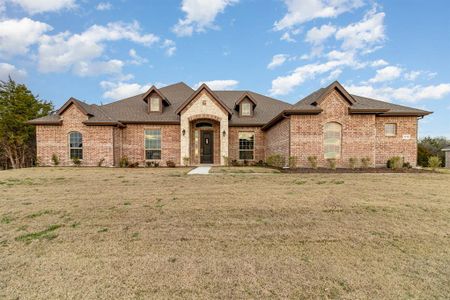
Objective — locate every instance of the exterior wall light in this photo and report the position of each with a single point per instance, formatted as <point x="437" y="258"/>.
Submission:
<point x="224" y="133"/>
<point x="184" y="132"/>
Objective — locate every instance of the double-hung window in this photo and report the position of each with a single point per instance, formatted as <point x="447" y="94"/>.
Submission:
<point x="155" y="103"/>
<point x="76" y="145"/>
<point x="332" y="140"/>
<point x="246" y="145"/>
<point x="152" y="144"/>
<point x="390" y="129"/>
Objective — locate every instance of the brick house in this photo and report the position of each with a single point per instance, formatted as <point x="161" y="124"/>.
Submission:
<point x="203" y="126"/>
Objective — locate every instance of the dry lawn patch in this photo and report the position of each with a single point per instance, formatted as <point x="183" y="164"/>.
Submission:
<point x="158" y="233"/>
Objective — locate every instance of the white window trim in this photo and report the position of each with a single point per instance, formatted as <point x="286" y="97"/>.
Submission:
<point x="254" y="145"/>
<point x="390" y="134"/>
<point x="76" y="148"/>
<point x="151" y="104"/>
<point x="339" y="155"/>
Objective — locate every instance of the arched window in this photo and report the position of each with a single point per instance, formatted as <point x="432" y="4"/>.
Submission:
<point x="332" y="136"/>
<point x="76" y="145"/>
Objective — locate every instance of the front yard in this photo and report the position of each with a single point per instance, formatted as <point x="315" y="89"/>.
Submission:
<point x="159" y="233"/>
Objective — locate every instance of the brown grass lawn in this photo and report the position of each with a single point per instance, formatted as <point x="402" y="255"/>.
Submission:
<point x="158" y="233"/>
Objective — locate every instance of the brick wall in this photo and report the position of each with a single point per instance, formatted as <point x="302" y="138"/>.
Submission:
<point x="277" y="139"/>
<point x="97" y="140"/>
<point x="133" y="143"/>
<point x="447" y="159"/>
<point x="233" y="142"/>
<point x="387" y="147"/>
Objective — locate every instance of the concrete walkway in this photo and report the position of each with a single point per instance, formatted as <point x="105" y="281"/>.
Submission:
<point x="202" y="170"/>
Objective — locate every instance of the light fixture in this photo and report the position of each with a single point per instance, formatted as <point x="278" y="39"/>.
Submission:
<point x="183" y="132"/>
<point x="224" y="133"/>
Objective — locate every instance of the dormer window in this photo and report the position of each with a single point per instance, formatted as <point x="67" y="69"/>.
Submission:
<point x="246" y="109"/>
<point x="155" y="104"/>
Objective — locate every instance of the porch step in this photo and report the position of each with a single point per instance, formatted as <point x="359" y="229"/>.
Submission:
<point x="203" y="170"/>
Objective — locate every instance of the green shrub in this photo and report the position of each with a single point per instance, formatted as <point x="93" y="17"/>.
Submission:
<point x="332" y="163"/>
<point x="186" y="161"/>
<point x="55" y="159"/>
<point x="152" y="164"/>
<point x="312" y="161"/>
<point x="365" y="162"/>
<point x="276" y="160"/>
<point x="123" y="162"/>
<point x="100" y="162"/>
<point x="407" y="165"/>
<point x="434" y="162"/>
<point x="292" y="162"/>
<point x="133" y="165"/>
<point x="76" y="161"/>
<point x="170" y="164"/>
<point x="353" y="162"/>
<point x="260" y="163"/>
<point x="395" y="163"/>
<point x="235" y="163"/>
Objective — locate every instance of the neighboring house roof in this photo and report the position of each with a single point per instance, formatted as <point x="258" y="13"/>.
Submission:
<point x="446" y="149"/>
<point x="267" y="111"/>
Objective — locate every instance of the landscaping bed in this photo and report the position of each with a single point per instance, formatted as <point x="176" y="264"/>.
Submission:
<point x="349" y="170"/>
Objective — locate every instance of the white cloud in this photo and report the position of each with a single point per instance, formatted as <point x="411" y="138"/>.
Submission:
<point x="317" y="36"/>
<point x="16" y="36"/>
<point x="412" y="75"/>
<point x="120" y="90"/>
<point x="200" y="15"/>
<point x="104" y="6"/>
<point x="364" y="35"/>
<point x="40" y="6"/>
<point x="287" y="37"/>
<point x="65" y="51"/>
<point x="7" y="70"/>
<point x="277" y="60"/>
<point x="2" y="7"/>
<point x="93" y="68"/>
<point x="170" y="47"/>
<point x="411" y="94"/>
<point x="219" y="84"/>
<point x="301" y="11"/>
<point x="136" y="59"/>
<point x="386" y="74"/>
<point x="334" y="75"/>
<point x="379" y="63"/>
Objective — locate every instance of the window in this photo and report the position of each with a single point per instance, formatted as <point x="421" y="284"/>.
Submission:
<point x="390" y="129"/>
<point x="75" y="145"/>
<point x="246" y="145"/>
<point x="153" y="144"/>
<point x="246" y="109"/>
<point x="155" y="104"/>
<point x="332" y="140"/>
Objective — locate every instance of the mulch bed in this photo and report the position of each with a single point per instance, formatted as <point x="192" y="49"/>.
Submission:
<point x="348" y="170"/>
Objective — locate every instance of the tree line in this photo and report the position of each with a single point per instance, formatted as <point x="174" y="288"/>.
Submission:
<point x="18" y="139"/>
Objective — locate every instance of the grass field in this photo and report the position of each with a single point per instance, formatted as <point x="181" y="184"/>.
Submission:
<point x="159" y="233"/>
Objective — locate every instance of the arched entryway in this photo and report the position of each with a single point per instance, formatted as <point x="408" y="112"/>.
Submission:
<point x="205" y="141"/>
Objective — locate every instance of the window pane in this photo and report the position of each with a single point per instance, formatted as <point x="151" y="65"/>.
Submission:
<point x="246" y="107"/>
<point x="154" y="104"/>
<point x="152" y="154"/>
<point x="76" y="140"/>
<point x="76" y="153"/>
<point x="390" y="129"/>
<point x="246" y="145"/>
<point x="153" y="144"/>
<point x="332" y="140"/>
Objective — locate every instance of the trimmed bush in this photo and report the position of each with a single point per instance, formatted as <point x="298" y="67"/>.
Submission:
<point x="365" y="162"/>
<point x="170" y="164"/>
<point x="434" y="162"/>
<point x="133" y="165"/>
<point x="395" y="163"/>
<point x="55" y="159"/>
<point x="123" y="162"/>
<point x="152" y="164"/>
<point x="332" y="163"/>
<point x="312" y="161"/>
<point x="186" y="161"/>
<point x="76" y="161"/>
<point x="292" y="162"/>
<point x="353" y="162"/>
<point x="276" y="160"/>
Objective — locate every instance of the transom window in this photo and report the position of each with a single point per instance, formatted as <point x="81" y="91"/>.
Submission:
<point x="246" y="145"/>
<point x="390" y="129"/>
<point x="332" y="140"/>
<point x="155" y="104"/>
<point x="246" y="109"/>
<point x="152" y="144"/>
<point x="75" y="145"/>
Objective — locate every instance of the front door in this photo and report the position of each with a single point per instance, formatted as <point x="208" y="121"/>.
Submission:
<point x="206" y="149"/>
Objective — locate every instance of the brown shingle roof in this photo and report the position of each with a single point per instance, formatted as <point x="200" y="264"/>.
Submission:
<point x="267" y="111"/>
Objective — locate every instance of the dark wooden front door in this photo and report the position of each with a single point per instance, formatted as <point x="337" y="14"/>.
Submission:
<point x="206" y="149"/>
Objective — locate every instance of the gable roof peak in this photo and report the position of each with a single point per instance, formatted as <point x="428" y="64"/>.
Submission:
<point x="154" y="89"/>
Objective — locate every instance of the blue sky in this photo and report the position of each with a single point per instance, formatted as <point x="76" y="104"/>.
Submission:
<point x="100" y="51"/>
